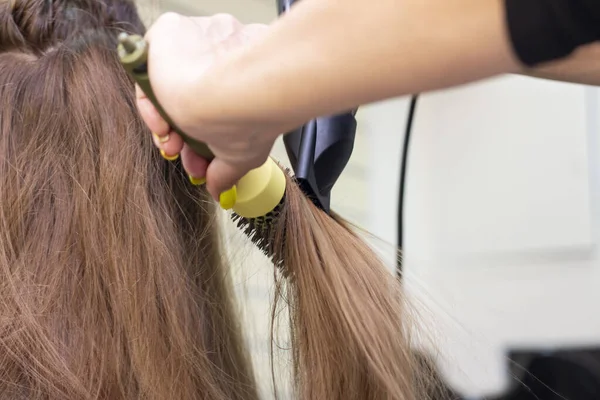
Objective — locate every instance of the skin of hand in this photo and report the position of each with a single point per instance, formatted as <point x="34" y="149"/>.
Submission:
<point x="238" y="87"/>
<point x="182" y="52"/>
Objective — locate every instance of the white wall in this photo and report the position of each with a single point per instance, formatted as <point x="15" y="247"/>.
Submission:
<point x="502" y="196"/>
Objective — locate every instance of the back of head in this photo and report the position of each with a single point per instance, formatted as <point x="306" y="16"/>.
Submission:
<point x="112" y="284"/>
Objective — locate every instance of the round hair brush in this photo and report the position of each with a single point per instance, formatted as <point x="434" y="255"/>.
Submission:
<point x="258" y="196"/>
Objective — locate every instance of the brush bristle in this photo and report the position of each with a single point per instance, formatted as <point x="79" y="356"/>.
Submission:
<point x="261" y="232"/>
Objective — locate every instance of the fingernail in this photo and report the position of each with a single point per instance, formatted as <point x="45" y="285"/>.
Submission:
<point x="162" y="139"/>
<point x="167" y="157"/>
<point x="228" y="198"/>
<point x="197" y="181"/>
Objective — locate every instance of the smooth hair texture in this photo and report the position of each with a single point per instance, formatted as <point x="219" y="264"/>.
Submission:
<point x="350" y="326"/>
<point x="113" y="284"/>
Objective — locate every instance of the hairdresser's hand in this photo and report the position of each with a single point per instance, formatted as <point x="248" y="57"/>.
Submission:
<point x="183" y="53"/>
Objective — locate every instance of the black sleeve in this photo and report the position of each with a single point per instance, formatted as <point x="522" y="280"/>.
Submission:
<point x="545" y="30"/>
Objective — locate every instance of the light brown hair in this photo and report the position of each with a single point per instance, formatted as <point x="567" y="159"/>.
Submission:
<point x="112" y="281"/>
<point x="350" y="325"/>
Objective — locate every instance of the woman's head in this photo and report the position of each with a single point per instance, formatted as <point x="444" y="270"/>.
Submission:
<point x="37" y="26"/>
<point x="112" y="283"/>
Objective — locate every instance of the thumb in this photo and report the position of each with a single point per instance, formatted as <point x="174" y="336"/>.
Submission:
<point x="221" y="176"/>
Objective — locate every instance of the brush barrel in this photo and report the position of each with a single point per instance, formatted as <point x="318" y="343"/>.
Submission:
<point x="260" y="190"/>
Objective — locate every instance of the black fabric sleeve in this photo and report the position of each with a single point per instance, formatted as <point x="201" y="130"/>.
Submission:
<point x="545" y="30"/>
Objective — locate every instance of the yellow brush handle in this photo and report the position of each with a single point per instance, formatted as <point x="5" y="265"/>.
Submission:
<point x="133" y="53"/>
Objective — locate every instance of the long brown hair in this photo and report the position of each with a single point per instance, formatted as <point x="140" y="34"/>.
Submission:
<point x="112" y="283"/>
<point x="350" y="324"/>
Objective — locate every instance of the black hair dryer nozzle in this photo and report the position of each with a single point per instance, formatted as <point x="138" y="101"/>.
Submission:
<point x="319" y="152"/>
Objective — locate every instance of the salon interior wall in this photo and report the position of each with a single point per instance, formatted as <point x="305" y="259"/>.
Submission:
<point x="501" y="215"/>
<point x="501" y="230"/>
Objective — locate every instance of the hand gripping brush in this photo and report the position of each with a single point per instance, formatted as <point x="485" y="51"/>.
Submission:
<point x="258" y="195"/>
<point x="318" y="151"/>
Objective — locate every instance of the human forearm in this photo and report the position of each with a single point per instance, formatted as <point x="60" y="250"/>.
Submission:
<point x="582" y="67"/>
<point x="299" y="69"/>
<point x="236" y="91"/>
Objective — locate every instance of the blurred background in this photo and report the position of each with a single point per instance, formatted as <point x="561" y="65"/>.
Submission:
<point x="501" y="225"/>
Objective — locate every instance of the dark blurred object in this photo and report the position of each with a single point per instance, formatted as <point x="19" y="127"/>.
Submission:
<point x="320" y="149"/>
<point x="559" y="375"/>
<point x="284" y="5"/>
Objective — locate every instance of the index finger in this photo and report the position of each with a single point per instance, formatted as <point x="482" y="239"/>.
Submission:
<point x="149" y="114"/>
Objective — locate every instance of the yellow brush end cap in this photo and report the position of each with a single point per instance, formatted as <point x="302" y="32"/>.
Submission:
<point x="260" y="190"/>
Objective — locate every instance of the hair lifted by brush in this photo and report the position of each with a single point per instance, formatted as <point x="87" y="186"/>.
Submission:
<point x="112" y="282"/>
<point x="349" y="321"/>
